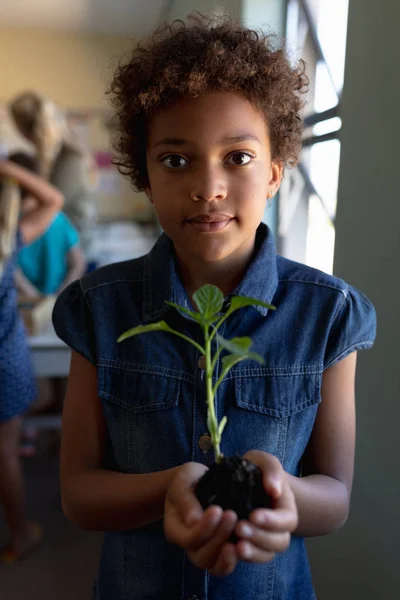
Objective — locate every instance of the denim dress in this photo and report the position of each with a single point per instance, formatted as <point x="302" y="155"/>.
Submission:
<point x="152" y="391"/>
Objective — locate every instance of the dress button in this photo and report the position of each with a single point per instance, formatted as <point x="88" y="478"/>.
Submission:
<point x="201" y="363"/>
<point x="205" y="443"/>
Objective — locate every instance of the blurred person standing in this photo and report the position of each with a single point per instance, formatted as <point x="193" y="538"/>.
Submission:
<point x="17" y="382"/>
<point x="55" y="259"/>
<point x="62" y="160"/>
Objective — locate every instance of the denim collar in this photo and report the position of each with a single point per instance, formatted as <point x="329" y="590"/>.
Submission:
<point x="162" y="282"/>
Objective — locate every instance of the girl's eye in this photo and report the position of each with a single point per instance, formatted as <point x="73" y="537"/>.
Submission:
<point x="239" y="158"/>
<point x="174" y="161"/>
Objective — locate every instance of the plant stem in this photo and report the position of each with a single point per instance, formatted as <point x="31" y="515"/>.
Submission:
<point x="213" y="423"/>
<point x="216" y="357"/>
<point x="218" y="325"/>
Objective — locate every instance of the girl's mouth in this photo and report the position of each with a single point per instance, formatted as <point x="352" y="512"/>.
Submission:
<point x="210" y="223"/>
<point x="211" y="226"/>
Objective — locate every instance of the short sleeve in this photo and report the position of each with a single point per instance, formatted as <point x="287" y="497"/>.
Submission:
<point x="73" y="323"/>
<point x="354" y="327"/>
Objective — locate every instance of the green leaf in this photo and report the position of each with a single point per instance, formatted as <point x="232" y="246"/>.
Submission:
<point x="211" y="426"/>
<point x="160" y="326"/>
<point x="195" y="315"/>
<point x="241" y="301"/>
<point x="238" y="346"/>
<point x="228" y="362"/>
<point x="191" y="313"/>
<point x="256" y="357"/>
<point x="221" y="426"/>
<point x="242" y="356"/>
<point x="209" y="300"/>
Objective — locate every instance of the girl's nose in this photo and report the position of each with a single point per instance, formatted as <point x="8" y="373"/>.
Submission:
<point x="208" y="186"/>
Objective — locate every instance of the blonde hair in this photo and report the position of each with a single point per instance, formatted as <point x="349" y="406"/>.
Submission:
<point x="44" y="124"/>
<point x="10" y="197"/>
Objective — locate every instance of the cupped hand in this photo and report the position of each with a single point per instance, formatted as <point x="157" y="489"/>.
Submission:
<point x="268" y="530"/>
<point x="203" y="534"/>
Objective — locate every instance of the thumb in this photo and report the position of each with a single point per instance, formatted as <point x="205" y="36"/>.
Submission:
<point x="272" y="471"/>
<point x="181" y="494"/>
<point x="273" y="478"/>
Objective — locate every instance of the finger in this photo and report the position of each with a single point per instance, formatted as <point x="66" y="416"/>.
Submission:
<point x="263" y="540"/>
<point x="277" y="519"/>
<point x="177" y="532"/>
<point x="273" y="473"/>
<point x="249" y="553"/>
<point x="284" y="515"/>
<point x="226" y="562"/>
<point x="273" y="479"/>
<point x="207" y="555"/>
<point x="288" y="500"/>
<point x="182" y="497"/>
<point x="205" y="530"/>
<point x="190" y="510"/>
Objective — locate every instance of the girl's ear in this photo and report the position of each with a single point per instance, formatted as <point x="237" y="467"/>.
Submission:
<point x="275" y="179"/>
<point x="147" y="191"/>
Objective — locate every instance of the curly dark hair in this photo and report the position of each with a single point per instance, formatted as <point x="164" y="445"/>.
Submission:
<point x="185" y="59"/>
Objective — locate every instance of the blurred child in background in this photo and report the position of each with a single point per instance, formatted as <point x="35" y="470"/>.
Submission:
<point x="17" y="382"/>
<point x="62" y="160"/>
<point x="55" y="259"/>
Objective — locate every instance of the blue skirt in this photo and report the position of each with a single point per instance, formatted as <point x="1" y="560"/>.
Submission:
<point x="17" y="379"/>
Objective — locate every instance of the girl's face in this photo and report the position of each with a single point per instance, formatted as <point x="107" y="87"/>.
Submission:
<point x="210" y="172"/>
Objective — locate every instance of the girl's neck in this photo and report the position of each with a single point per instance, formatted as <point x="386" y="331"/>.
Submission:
<point x="225" y="274"/>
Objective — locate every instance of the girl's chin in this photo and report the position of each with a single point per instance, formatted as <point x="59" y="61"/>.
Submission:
<point x="212" y="253"/>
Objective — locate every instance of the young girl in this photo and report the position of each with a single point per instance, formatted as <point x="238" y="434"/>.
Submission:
<point x="208" y="119"/>
<point x="17" y="383"/>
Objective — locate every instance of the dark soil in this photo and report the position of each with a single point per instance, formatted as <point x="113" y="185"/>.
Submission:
<point x="233" y="484"/>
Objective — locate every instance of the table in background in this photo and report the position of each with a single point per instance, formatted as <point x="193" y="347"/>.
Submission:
<point x="51" y="358"/>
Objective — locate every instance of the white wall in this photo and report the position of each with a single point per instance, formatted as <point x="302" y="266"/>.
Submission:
<point x="268" y="14"/>
<point x="73" y="69"/>
<point x="181" y="8"/>
<point x="361" y="562"/>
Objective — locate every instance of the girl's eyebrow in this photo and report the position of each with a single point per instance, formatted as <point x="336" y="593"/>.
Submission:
<point x="243" y="137"/>
<point x="170" y="141"/>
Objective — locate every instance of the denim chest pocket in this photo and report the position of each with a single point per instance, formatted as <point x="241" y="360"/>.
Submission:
<point x="273" y="410"/>
<point x="141" y="409"/>
<point x="278" y="392"/>
<point x="139" y="388"/>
